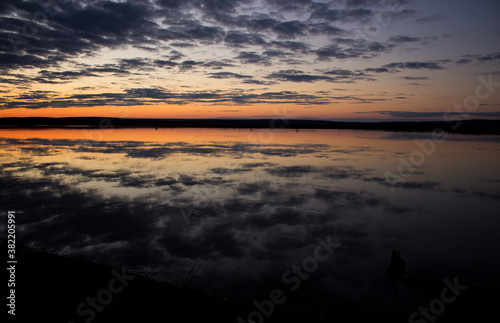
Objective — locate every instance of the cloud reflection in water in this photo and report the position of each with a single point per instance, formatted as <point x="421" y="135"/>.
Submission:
<point x="253" y="210"/>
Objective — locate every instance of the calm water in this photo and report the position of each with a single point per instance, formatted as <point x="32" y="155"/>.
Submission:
<point x="230" y="211"/>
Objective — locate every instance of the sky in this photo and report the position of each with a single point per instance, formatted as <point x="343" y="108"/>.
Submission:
<point x="336" y="60"/>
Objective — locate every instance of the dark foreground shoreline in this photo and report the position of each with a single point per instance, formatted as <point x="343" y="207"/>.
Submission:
<point x="477" y="127"/>
<point x="62" y="289"/>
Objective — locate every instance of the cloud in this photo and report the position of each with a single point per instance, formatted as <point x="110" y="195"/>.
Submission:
<point x="290" y="171"/>
<point x="378" y="70"/>
<point x="322" y="12"/>
<point x="253" y="58"/>
<point x="171" y="37"/>
<point x="147" y="96"/>
<point x="260" y="22"/>
<point x="334" y="76"/>
<point x="182" y="45"/>
<point x="258" y="82"/>
<point x="239" y="39"/>
<point x="403" y="14"/>
<point x="325" y="29"/>
<point x="423" y="185"/>
<point x="85" y="26"/>
<point x="14" y="61"/>
<point x="165" y="63"/>
<point x="290" y="29"/>
<point x="429" y="19"/>
<point x="485" y="58"/>
<point x="414" y="65"/>
<point x="297" y="76"/>
<point x="414" y="78"/>
<point x="37" y="95"/>
<point x="225" y="75"/>
<point x="291" y="45"/>
<point x="276" y="53"/>
<point x="467" y="59"/>
<point x="344" y="48"/>
<point x="207" y="34"/>
<point x="219" y="64"/>
<point x="74" y="28"/>
<point x="343" y="72"/>
<point x="418" y="84"/>
<point x="66" y="75"/>
<point x="403" y="39"/>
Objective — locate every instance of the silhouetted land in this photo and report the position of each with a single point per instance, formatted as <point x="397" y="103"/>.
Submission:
<point x="464" y="127"/>
<point x="51" y="286"/>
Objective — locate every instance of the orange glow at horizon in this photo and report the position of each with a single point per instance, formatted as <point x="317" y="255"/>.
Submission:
<point x="188" y="112"/>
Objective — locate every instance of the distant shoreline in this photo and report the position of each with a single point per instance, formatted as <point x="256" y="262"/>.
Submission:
<point x="478" y="127"/>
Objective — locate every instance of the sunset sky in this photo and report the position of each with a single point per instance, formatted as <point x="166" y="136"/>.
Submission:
<point x="340" y="60"/>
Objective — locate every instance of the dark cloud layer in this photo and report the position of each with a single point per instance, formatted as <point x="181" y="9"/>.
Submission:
<point x="155" y="95"/>
<point x="45" y="35"/>
<point x="43" y="43"/>
<point x="414" y="65"/>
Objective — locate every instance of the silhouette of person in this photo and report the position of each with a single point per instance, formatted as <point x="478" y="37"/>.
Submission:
<point x="396" y="268"/>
